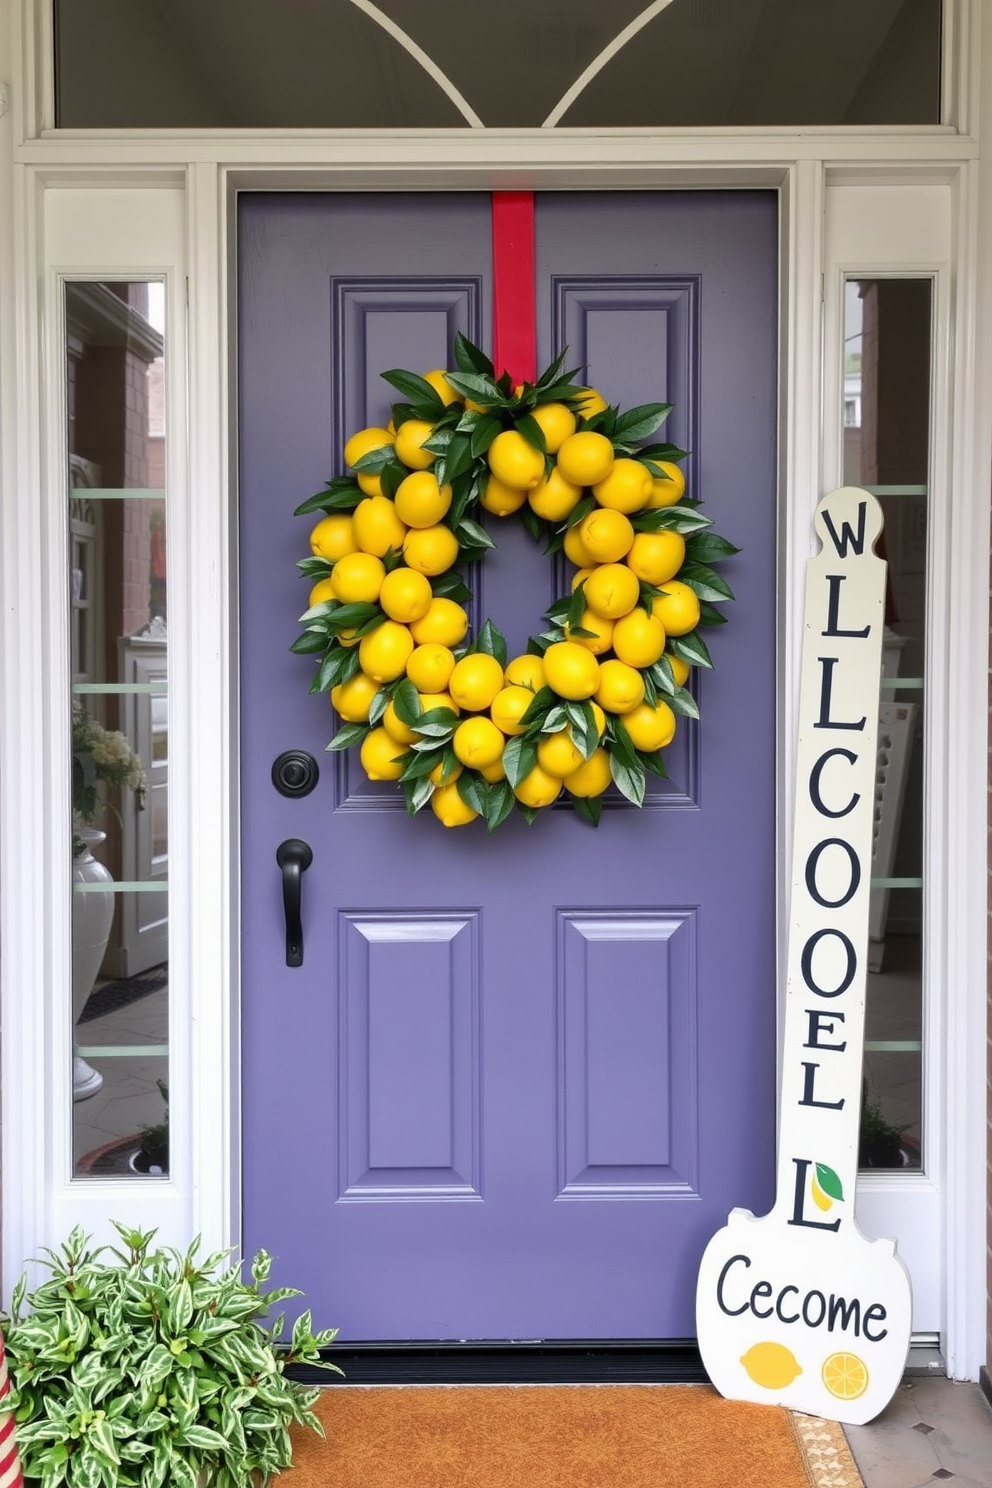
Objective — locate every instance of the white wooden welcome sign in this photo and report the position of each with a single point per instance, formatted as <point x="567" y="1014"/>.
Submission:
<point x="797" y="1307"/>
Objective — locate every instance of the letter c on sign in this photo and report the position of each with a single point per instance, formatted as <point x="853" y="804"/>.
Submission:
<point x="814" y="783"/>
<point x="731" y="1311"/>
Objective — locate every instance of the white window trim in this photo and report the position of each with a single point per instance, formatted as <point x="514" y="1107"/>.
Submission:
<point x="34" y="846"/>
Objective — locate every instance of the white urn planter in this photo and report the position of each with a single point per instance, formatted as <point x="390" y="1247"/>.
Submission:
<point x="92" y="916"/>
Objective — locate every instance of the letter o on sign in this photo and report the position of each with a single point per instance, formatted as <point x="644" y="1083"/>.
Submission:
<point x="851" y="956"/>
<point x="813" y="862"/>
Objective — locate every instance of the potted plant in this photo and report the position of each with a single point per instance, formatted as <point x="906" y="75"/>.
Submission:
<point x="879" y="1140"/>
<point x="152" y="1155"/>
<point x="152" y="1368"/>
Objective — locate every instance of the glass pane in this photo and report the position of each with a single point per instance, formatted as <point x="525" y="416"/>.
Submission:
<point x="115" y="398"/>
<point x="308" y="64"/>
<point x="887" y="368"/>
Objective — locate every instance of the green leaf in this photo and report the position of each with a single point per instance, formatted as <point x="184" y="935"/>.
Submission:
<point x="704" y="582"/>
<point x="342" y="494"/>
<point x="585" y="734"/>
<point x="310" y="643"/>
<point x="332" y="669"/>
<point x="637" y="423"/>
<point x="406" y="703"/>
<point x="491" y="641"/>
<point x="474" y="791"/>
<point x="709" y="547"/>
<point x="376" y="459"/>
<point x="710" y="615"/>
<point x="579" y="510"/>
<point x="623" y="745"/>
<point x="588" y="808"/>
<point x="315" y="568"/>
<point x="391" y="477"/>
<point x="204" y="1438"/>
<point x="529" y="813"/>
<point x="347" y="616"/>
<point x="829" y="1182"/>
<point x="470" y="533"/>
<point x="542" y="700"/>
<point x="519" y="758"/>
<point x="499" y="804"/>
<point x="414" y="388"/>
<point x="484" y="433"/>
<point x="532" y="432"/>
<point x="683" y="702"/>
<point x="655" y="764"/>
<point x="418" y="793"/>
<point x="478" y="386"/>
<point x="348" y="734"/>
<point x="469" y="358"/>
<point x="662" y="676"/>
<point x="691" y="648"/>
<point x="576" y="606"/>
<point x="532" y="522"/>
<point x="451" y="585"/>
<point x="628" y="781"/>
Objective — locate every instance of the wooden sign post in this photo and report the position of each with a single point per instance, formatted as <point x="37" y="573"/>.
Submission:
<point x="797" y="1307"/>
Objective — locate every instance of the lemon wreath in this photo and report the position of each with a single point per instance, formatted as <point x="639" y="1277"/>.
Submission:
<point x="594" y="700"/>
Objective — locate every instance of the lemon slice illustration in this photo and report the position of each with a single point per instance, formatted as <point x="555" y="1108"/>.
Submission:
<point x="771" y="1364"/>
<point x="845" y="1375"/>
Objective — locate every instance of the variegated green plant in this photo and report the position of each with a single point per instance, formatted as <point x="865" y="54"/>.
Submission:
<point x="146" y="1368"/>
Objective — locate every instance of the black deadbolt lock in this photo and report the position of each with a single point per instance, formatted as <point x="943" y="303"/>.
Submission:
<point x="295" y="773"/>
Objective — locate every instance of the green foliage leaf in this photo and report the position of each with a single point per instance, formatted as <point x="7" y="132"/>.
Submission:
<point x="491" y="641"/>
<point x="416" y="389"/>
<point x="691" y="648"/>
<point x="709" y="547"/>
<point x="588" y="808"/>
<point x="471" y="535"/>
<point x="343" y="493"/>
<point x="519" y="758"/>
<point x="348" y="734"/>
<point x="704" y="582"/>
<point x="638" y="423"/>
<point x="483" y="434"/>
<point x="684" y="519"/>
<point x="309" y="643"/>
<point x="579" y="510"/>
<point x="406" y="703"/>
<point x="829" y="1181"/>
<point x="479" y="386"/>
<point x="683" y="702"/>
<point x="418" y="793"/>
<point x="542" y="701"/>
<point x="474" y="791"/>
<point x="469" y="358"/>
<point x="451" y="585"/>
<point x="629" y="780"/>
<point x="499" y="805"/>
<point x="710" y="615"/>
<point x="532" y="432"/>
<point x="376" y="460"/>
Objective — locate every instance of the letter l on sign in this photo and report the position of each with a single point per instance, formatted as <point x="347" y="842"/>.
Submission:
<point x="798" y="1308"/>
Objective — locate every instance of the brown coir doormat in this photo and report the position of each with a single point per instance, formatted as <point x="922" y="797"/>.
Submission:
<point x="570" y="1436"/>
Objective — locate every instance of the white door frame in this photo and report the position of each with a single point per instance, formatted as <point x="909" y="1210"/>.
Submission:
<point x="57" y="185"/>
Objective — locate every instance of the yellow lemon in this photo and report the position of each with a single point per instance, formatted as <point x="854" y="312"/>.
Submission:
<point x="475" y="681"/>
<point x="554" y="497"/>
<point x="667" y="490"/>
<point x="430" y="700"/>
<point x="358" y="578"/>
<point x="321" y="591"/>
<point x="509" y="706"/>
<point x="613" y="590"/>
<point x="599" y="718"/>
<point x="431" y="550"/>
<point x="405" y="594"/>
<point x="575" y="548"/>
<point x="478" y="742"/>
<point x="771" y="1364"/>
<point x="514" y="461"/>
<point x="538" y="788"/>
<point x="439" y="382"/>
<point x="638" y="638"/>
<point x="600" y="638"/>
<point x="680" y="668"/>
<point x="410" y="437"/>
<point x="557" y="754"/>
<point x="845" y="1375"/>
<point x="656" y="557"/>
<point x="430" y="667"/>
<point x="525" y="671"/>
<point x="380" y="756"/>
<point x="627" y="488"/>
<point x="396" y="728"/>
<point x="556" y="421"/>
<point x="420" y="501"/>
<point x="384" y="652"/>
<point x="621" y="687"/>
<point x="571" y="670"/>
<point x="449" y="808"/>
<point x="353" y="698"/>
<point x="580" y="576"/>
<point x="590" y="402"/>
<point x="585" y="458"/>
<point x="377" y="526"/>
<point x="501" y="499"/>
<point x="650" y="728"/>
<point x="677" y="608"/>
<point x="606" y="535"/>
<point x="334" y="536"/>
<point x="445" y="623"/>
<point x="364" y="442"/>
<point x="492" y="773"/>
<point x="592" y="777"/>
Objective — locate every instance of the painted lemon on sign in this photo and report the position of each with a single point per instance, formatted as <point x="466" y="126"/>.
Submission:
<point x="845" y="1375"/>
<point x="771" y="1364"/>
<point x="825" y="1187"/>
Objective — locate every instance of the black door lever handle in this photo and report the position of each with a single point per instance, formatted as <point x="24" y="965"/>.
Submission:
<point x="294" y="858"/>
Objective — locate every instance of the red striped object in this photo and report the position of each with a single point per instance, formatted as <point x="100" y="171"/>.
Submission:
<point x="10" y="1463"/>
<point x="514" y="322"/>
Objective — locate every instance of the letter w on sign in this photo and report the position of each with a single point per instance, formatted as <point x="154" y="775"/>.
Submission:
<point x="798" y="1307"/>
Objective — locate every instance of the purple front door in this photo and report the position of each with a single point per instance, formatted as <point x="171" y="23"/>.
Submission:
<point x="518" y="1081"/>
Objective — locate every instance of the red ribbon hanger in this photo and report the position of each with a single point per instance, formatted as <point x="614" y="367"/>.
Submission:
<point x="514" y="316"/>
